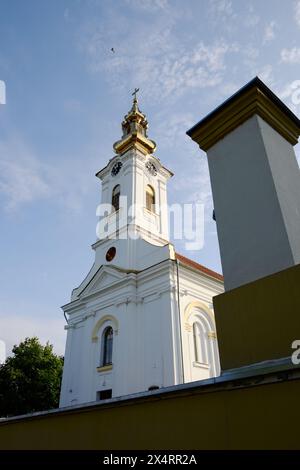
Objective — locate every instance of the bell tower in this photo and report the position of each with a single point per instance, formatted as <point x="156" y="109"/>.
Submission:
<point x="134" y="186"/>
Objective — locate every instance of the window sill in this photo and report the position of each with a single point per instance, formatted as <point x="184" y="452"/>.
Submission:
<point x="114" y="213"/>
<point x="105" y="368"/>
<point x="150" y="212"/>
<point x="201" y="365"/>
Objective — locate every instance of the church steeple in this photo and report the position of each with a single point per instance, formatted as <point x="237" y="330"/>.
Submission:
<point x="137" y="176"/>
<point x="134" y="128"/>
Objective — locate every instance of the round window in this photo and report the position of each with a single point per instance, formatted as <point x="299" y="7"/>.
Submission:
<point x="111" y="253"/>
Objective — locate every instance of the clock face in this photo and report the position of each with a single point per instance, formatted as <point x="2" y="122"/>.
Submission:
<point x="116" y="168"/>
<point x="151" y="168"/>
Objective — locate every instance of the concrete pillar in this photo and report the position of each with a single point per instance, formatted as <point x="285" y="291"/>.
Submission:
<point x="255" y="182"/>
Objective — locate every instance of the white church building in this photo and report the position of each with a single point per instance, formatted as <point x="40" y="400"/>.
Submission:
<point x="142" y="318"/>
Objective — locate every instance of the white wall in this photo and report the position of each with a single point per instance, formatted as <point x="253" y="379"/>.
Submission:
<point x="256" y="190"/>
<point x="196" y="293"/>
<point x="148" y="344"/>
<point x="143" y="354"/>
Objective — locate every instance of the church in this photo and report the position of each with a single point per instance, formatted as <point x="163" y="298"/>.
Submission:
<point x="142" y="319"/>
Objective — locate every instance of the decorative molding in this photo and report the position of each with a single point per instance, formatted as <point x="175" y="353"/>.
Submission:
<point x="130" y="157"/>
<point x="106" y="318"/>
<point x="199" y="296"/>
<point x="253" y="99"/>
<point x="105" y="368"/>
<point x="201" y="365"/>
<point x="190" y="308"/>
<point x="73" y="307"/>
<point x="145" y="234"/>
<point x="188" y="273"/>
<point x="212" y="335"/>
<point x="135" y="140"/>
<point x="196" y="286"/>
<point x="151" y="214"/>
<point x="90" y="314"/>
<point x="183" y="292"/>
<point x="187" y="327"/>
<point x="118" y="277"/>
<point x="76" y="322"/>
<point x="129" y="299"/>
<point x="151" y="297"/>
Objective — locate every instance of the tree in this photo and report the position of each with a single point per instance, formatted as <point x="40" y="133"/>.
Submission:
<point x="30" y="379"/>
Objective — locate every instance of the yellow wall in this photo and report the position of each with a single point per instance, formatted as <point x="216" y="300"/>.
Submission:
<point x="214" y="417"/>
<point x="259" y="321"/>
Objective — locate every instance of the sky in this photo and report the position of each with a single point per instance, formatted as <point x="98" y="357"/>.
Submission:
<point x="66" y="95"/>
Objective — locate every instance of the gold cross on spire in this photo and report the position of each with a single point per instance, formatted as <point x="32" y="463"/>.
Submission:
<point x="135" y="92"/>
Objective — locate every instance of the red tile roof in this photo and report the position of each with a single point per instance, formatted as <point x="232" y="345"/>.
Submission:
<point x="199" y="267"/>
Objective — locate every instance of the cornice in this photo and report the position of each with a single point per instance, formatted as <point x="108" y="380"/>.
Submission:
<point x="144" y="234"/>
<point x="254" y="98"/>
<point x="134" y="140"/>
<point x="106" y="170"/>
<point x="196" y="294"/>
<point x="188" y="275"/>
<point x="140" y="156"/>
<point x="126" y="297"/>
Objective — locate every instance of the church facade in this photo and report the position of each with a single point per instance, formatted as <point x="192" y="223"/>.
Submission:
<point x="142" y="319"/>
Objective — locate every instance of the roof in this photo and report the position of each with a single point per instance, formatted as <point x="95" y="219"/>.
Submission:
<point x="255" y="82"/>
<point x="189" y="262"/>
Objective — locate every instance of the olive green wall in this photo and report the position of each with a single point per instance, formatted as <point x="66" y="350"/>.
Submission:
<point x="227" y="416"/>
<point x="259" y="321"/>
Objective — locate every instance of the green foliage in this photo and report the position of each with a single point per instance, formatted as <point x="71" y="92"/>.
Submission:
<point x="30" y="379"/>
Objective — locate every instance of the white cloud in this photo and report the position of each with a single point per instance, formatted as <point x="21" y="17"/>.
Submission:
<point x="289" y="89"/>
<point x="173" y="134"/>
<point x="25" y="178"/>
<point x="251" y="52"/>
<point x="22" y="178"/>
<point x="163" y="65"/>
<point x="297" y="12"/>
<point x="194" y="188"/>
<point x="290" y="93"/>
<point x="229" y="88"/>
<point x="221" y="14"/>
<point x="252" y="62"/>
<point x="148" y="5"/>
<point x="2" y="92"/>
<point x="251" y="19"/>
<point x="269" y="32"/>
<point x="250" y="55"/>
<point x="290" y="56"/>
<point x="266" y="74"/>
<point x="221" y="10"/>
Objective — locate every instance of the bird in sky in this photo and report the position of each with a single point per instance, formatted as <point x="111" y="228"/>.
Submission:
<point x="112" y="50"/>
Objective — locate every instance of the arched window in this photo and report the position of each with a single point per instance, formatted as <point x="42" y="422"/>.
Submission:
<point x="115" y="199"/>
<point x="107" y="346"/>
<point x="200" y="343"/>
<point x="150" y="198"/>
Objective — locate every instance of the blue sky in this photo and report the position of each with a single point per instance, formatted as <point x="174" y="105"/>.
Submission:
<point x="66" y="96"/>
